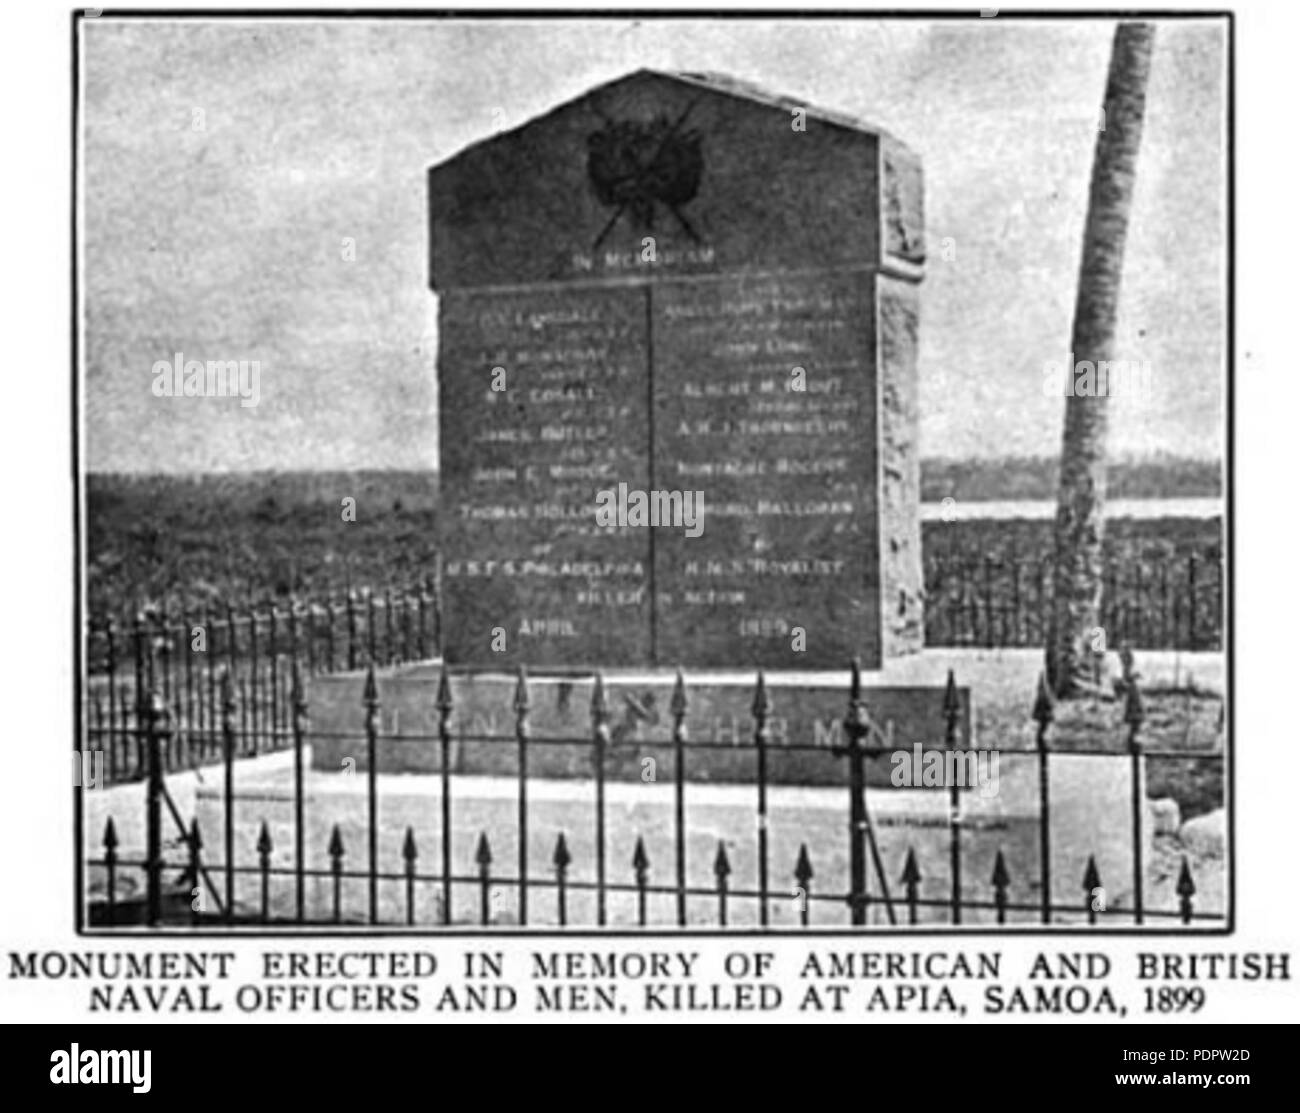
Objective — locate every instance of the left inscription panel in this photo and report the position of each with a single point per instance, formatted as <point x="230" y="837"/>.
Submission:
<point x="543" y="402"/>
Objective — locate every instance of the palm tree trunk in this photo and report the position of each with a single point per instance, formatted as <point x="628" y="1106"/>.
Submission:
<point x="1080" y="515"/>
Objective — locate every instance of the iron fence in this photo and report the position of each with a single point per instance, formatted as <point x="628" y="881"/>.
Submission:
<point x="998" y="601"/>
<point x="181" y="658"/>
<point x="1004" y="601"/>
<point x="230" y="892"/>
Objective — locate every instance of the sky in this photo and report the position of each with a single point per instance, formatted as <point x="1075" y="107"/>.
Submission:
<point x="226" y="241"/>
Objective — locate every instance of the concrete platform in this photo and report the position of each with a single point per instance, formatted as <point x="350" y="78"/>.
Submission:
<point x="805" y="727"/>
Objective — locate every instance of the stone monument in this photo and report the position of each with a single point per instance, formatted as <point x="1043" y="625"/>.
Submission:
<point x="678" y="292"/>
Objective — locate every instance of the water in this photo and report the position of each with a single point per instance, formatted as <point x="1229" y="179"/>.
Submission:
<point x="1045" y="509"/>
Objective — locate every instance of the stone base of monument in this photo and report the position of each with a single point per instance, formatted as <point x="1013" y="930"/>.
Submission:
<point x="805" y="725"/>
<point x="1086" y="820"/>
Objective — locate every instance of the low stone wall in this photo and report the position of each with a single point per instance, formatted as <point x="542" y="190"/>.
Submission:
<point x="641" y="723"/>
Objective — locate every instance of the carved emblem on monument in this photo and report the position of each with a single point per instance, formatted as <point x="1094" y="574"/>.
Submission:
<point x="635" y="166"/>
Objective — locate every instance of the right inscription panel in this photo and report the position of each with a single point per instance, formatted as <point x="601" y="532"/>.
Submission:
<point x="765" y="401"/>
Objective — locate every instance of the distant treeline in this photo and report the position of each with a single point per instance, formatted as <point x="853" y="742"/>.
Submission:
<point x="207" y="540"/>
<point x="980" y="480"/>
<point x="228" y="537"/>
<point x="1034" y="477"/>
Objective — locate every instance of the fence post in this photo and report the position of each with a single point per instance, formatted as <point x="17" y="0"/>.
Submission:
<point x="293" y="635"/>
<point x="1042" y="715"/>
<point x="97" y="738"/>
<point x="196" y="872"/>
<point x="370" y="626"/>
<point x="1016" y="638"/>
<point x="409" y="855"/>
<point x="125" y="733"/>
<point x="600" y="734"/>
<point x="352" y="629"/>
<point x="246" y="736"/>
<point x="388" y="625"/>
<point x="1044" y="601"/>
<point x="436" y="600"/>
<point x="254" y="677"/>
<point x="1001" y="879"/>
<point x="232" y="639"/>
<point x="110" y="646"/>
<point x="1220" y="619"/>
<point x="329" y="633"/>
<point x="989" y="640"/>
<point x="209" y="743"/>
<point x="560" y="860"/>
<point x="444" y="743"/>
<point x="371" y="700"/>
<point x="299" y="699"/>
<point x="1109" y="611"/>
<point x="951" y="716"/>
<point x="308" y="613"/>
<point x="483" y="856"/>
<point x="406" y="625"/>
<point x="141" y="700"/>
<point x="641" y="871"/>
<point x="264" y="848"/>
<point x="185" y="643"/>
<point x="1137" y="628"/>
<point x="1186" y="890"/>
<point x="165" y="649"/>
<point x="911" y="883"/>
<point x="1134" y="714"/>
<point x="156" y="731"/>
<point x="521" y="746"/>
<point x="803" y="876"/>
<point x="110" y="867"/>
<point x="1091" y="883"/>
<point x="856" y="727"/>
<point x="762" y="712"/>
<point x="273" y="651"/>
<point x="1164" y="608"/>
<point x="336" y="871"/>
<point x="721" y="871"/>
<point x="970" y="601"/>
<point x="228" y="763"/>
<point x="420" y="632"/>
<point x="678" y="708"/>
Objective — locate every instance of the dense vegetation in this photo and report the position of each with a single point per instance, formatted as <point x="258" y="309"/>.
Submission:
<point x="190" y="540"/>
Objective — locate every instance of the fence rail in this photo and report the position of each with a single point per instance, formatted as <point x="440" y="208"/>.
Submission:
<point x="260" y="892"/>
